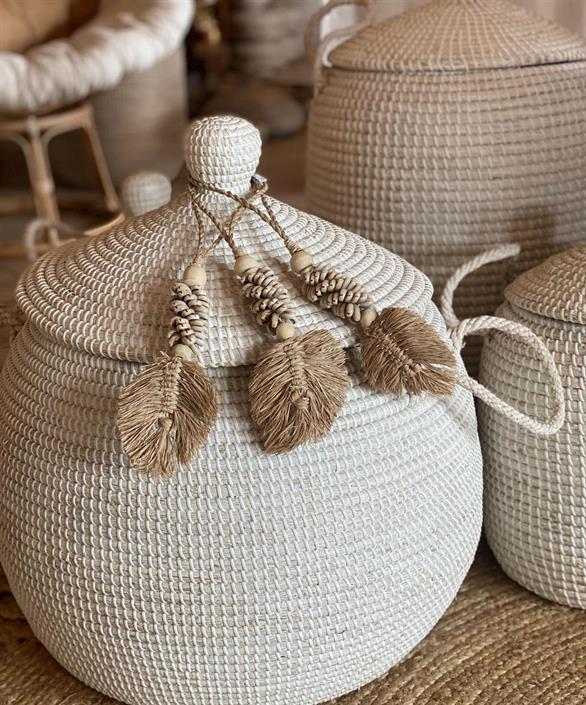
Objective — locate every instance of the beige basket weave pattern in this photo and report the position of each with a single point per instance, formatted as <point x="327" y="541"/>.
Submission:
<point x="535" y="496"/>
<point x="448" y="130"/>
<point x="247" y="578"/>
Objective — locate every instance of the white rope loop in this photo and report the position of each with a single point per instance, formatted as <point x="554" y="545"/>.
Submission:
<point x="495" y="254"/>
<point x="481" y="326"/>
<point x="317" y="50"/>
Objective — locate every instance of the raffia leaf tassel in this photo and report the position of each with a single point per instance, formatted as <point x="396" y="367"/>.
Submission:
<point x="165" y="414"/>
<point x="296" y="390"/>
<point x="402" y="352"/>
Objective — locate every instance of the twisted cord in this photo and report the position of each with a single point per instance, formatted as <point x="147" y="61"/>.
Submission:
<point x="482" y="325"/>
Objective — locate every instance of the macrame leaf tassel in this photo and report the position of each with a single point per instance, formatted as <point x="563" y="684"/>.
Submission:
<point x="165" y="414"/>
<point x="296" y="390"/>
<point x="402" y="352"/>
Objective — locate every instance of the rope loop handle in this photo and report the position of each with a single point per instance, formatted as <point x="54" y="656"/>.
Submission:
<point x="485" y="324"/>
<point x="482" y="325"/>
<point x="495" y="254"/>
<point x="317" y="50"/>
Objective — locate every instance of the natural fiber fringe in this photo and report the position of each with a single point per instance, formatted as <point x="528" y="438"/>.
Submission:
<point x="297" y="389"/>
<point x="401" y="351"/>
<point x="165" y="415"/>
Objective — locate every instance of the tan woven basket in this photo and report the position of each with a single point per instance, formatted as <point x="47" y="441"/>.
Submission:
<point x="451" y="128"/>
<point x="247" y="578"/>
<point x="535" y="496"/>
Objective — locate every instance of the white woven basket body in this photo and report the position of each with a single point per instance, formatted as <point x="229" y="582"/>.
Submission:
<point x="438" y="159"/>
<point x="535" y="488"/>
<point x="248" y="578"/>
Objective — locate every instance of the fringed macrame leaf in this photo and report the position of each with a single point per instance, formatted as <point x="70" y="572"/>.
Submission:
<point x="402" y="352"/>
<point x="165" y="414"/>
<point x="296" y="390"/>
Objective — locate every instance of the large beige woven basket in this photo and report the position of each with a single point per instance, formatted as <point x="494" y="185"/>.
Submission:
<point x="451" y="128"/>
<point x="248" y="578"/>
<point x="536" y="487"/>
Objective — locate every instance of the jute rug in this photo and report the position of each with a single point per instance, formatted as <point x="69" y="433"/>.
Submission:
<point x="497" y="645"/>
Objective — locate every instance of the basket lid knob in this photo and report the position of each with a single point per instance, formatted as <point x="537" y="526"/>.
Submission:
<point x="223" y="151"/>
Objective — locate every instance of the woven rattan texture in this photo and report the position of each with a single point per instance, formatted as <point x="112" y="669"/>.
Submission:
<point x="438" y="166"/>
<point x="247" y="578"/>
<point x="460" y="34"/>
<point x="496" y="644"/>
<point x="555" y="289"/>
<point x="535" y="488"/>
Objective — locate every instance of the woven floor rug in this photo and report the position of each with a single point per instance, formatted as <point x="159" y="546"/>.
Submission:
<point x="497" y="645"/>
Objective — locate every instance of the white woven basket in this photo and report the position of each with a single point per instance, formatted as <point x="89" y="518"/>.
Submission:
<point x="248" y="578"/>
<point x="451" y="128"/>
<point x="535" y="496"/>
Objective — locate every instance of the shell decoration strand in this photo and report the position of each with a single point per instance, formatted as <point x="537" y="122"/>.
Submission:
<point x="298" y="385"/>
<point x="165" y="414"/>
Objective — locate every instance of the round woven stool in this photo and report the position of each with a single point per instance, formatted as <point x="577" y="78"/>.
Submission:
<point x="497" y="644"/>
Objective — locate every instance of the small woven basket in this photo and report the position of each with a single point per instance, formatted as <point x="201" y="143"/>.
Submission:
<point x="535" y="488"/>
<point x="451" y="128"/>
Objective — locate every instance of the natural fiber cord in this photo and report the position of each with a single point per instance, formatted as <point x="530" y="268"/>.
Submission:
<point x="496" y="644"/>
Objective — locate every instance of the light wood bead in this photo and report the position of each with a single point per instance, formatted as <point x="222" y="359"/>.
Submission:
<point x="367" y="318"/>
<point x="285" y="330"/>
<point x="301" y="260"/>
<point x="181" y="350"/>
<point x="244" y="263"/>
<point x="195" y="275"/>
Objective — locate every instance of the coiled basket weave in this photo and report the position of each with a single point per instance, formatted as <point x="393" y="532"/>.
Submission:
<point x="535" y="499"/>
<point x="447" y="130"/>
<point x="247" y="578"/>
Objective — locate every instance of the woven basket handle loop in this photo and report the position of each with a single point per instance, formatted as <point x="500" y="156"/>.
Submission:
<point x="481" y="326"/>
<point x="317" y="50"/>
<point x="495" y="254"/>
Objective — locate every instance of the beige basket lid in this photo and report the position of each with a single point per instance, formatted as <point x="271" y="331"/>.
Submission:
<point x="460" y="34"/>
<point x="555" y="289"/>
<point x="109" y="295"/>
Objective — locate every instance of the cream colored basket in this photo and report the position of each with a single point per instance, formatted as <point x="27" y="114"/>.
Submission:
<point x="449" y="129"/>
<point x="535" y="496"/>
<point x="247" y="578"/>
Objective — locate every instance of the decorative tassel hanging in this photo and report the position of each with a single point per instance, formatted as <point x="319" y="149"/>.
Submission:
<point x="400" y="350"/>
<point x="298" y="385"/>
<point x="165" y="414"/>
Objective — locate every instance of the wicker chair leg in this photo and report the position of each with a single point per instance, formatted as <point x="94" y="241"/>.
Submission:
<point x="111" y="199"/>
<point x="41" y="178"/>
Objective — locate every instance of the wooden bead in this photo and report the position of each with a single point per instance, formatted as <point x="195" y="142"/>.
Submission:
<point x="244" y="264"/>
<point x="368" y="317"/>
<point x="183" y="351"/>
<point x="285" y="330"/>
<point x="301" y="260"/>
<point x="195" y="275"/>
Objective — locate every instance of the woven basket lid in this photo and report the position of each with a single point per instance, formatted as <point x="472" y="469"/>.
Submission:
<point x="555" y="289"/>
<point x="109" y="295"/>
<point x="460" y="34"/>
